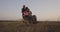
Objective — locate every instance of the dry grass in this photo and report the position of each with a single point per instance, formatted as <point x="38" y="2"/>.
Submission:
<point x="20" y="26"/>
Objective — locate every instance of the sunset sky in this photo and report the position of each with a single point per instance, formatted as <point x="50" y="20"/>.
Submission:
<point x="43" y="9"/>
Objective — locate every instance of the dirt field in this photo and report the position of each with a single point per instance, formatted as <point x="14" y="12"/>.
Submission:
<point x="20" y="26"/>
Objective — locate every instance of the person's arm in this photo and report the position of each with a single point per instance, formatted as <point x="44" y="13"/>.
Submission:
<point x="30" y="11"/>
<point x="22" y="10"/>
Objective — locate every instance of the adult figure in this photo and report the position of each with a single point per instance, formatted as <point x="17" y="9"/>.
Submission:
<point x="23" y="9"/>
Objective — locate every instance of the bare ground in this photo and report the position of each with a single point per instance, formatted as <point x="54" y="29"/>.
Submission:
<point x="20" y="26"/>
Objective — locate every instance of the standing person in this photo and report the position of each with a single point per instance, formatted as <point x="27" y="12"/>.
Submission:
<point x="23" y="9"/>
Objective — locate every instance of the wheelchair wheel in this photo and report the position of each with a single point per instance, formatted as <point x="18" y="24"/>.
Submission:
<point x="34" y="19"/>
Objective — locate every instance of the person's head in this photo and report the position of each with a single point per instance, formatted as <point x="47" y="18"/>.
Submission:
<point x="27" y="8"/>
<point x="23" y="6"/>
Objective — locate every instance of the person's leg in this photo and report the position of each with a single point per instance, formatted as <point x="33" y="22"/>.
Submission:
<point x="23" y="17"/>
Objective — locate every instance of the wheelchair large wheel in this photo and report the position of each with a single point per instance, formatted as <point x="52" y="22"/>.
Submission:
<point x="34" y="19"/>
<point x="30" y="19"/>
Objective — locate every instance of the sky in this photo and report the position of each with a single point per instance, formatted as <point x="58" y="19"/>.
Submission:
<point x="43" y="9"/>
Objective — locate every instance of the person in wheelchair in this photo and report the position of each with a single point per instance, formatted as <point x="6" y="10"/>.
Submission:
<point x="27" y="15"/>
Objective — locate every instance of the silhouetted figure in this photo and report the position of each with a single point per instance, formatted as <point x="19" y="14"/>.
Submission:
<point x="23" y="9"/>
<point x="26" y="12"/>
<point x="27" y="15"/>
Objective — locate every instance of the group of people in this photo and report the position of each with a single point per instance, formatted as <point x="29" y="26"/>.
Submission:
<point x="27" y="15"/>
<point x="25" y="10"/>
